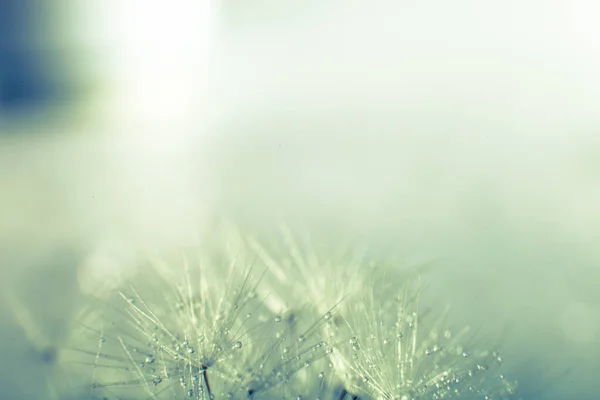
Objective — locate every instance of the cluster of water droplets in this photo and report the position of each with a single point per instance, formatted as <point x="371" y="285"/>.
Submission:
<point x="222" y="339"/>
<point x="393" y="354"/>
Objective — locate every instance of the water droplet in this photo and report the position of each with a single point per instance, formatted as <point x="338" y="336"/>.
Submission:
<point x="149" y="359"/>
<point x="237" y="345"/>
<point x="278" y="318"/>
<point x="321" y="375"/>
<point x="328" y="315"/>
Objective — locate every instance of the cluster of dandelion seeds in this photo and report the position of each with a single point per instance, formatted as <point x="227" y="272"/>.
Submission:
<point x="198" y="332"/>
<point x="395" y="352"/>
<point x="300" y="269"/>
<point x="202" y="327"/>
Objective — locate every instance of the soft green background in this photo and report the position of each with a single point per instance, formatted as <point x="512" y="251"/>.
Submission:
<point x="464" y="132"/>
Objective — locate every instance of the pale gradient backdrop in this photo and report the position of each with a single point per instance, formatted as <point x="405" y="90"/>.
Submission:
<point x="467" y="132"/>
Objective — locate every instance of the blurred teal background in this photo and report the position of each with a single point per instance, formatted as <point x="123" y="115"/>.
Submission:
<point x="465" y="132"/>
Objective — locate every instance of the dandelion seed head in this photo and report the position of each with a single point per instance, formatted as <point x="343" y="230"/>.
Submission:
<point x="203" y="327"/>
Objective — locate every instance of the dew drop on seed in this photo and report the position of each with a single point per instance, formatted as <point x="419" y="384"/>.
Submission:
<point x="237" y="345"/>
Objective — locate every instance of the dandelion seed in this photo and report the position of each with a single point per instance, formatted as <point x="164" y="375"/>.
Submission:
<point x="419" y="365"/>
<point x="202" y="335"/>
<point x="212" y="333"/>
<point x="301" y="271"/>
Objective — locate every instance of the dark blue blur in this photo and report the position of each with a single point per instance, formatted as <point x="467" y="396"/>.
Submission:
<point x="29" y="81"/>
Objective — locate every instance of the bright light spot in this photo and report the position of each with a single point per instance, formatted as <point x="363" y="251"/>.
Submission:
<point x="165" y="50"/>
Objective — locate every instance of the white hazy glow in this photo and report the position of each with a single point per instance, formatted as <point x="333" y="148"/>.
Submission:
<point x="151" y="62"/>
<point x="164" y="51"/>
